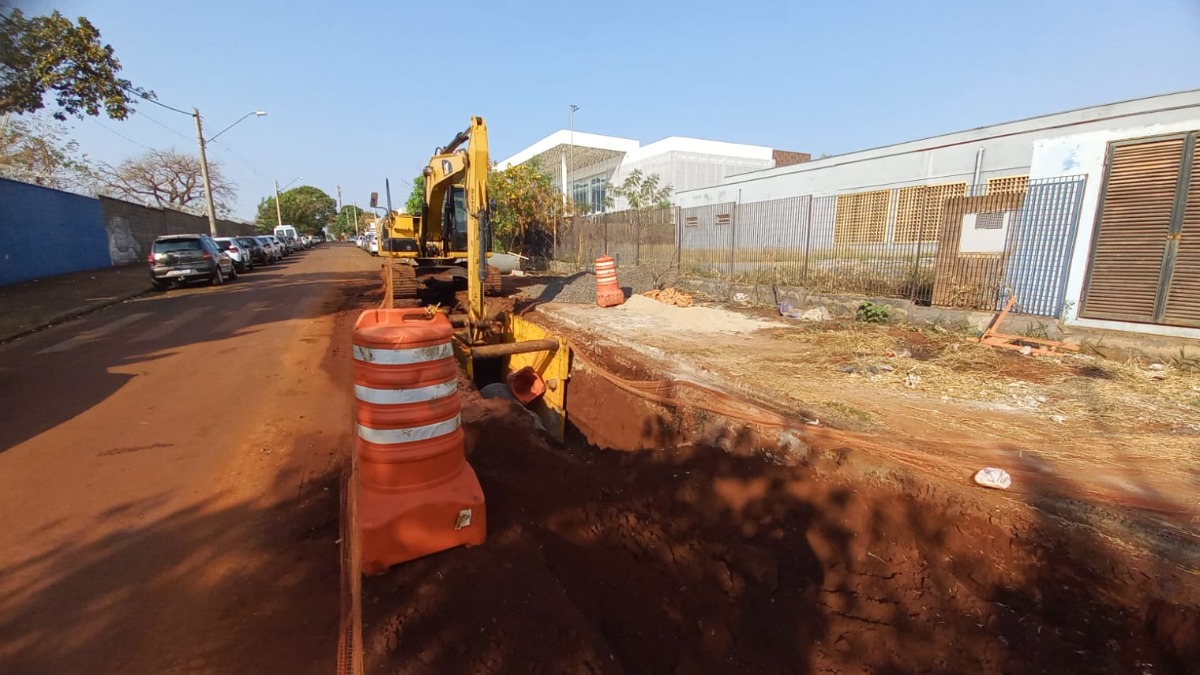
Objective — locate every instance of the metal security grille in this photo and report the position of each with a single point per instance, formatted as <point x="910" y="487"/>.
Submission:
<point x="1140" y="269"/>
<point x="1039" y="246"/>
<point x="990" y="220"/>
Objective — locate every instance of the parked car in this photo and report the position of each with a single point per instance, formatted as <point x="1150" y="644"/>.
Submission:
<point x="258" y="254"/>
<point x="188" y="257"/>
<point x="238" y="251"/>
<point x="306" y="240"/>
<point x="273" y="252"/>
<point x="372" y="245"/>
<point x="284" y="249"/>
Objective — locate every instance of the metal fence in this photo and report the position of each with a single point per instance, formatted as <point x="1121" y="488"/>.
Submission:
<point x="632" y="237"/>
<point x="943" y="244"/>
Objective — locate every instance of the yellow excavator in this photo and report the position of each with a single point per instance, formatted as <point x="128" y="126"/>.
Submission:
<point x="450" y="240"/>
<point x="434" y="247"/>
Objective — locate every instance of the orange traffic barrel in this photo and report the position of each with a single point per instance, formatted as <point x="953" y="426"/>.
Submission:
<point x="417" y="493"/>
<point x="608" y="293"/>
<point x="526" y="385"/>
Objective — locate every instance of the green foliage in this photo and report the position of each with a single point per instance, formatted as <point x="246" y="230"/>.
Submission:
<point x="869" y="312"/>
<point x="526" y="207"/>
<point x="343" y="224"/>
<point x="52" y="55"/>
<point x="642" y="192"/>
<point x="308" y="208"/>
<point x="416" y="197"/>
<point x="36" y="150"/>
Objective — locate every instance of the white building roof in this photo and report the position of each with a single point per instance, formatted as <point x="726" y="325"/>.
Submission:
<point x="589" y="149"/>
<point x="1042" y="123"/>
<point x="700" y="146"/>
<point x="563" y="138"/>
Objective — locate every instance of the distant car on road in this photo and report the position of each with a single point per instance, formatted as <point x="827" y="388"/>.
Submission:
<point x="239" y="252"/>
<point x="306" y="240"/>
<point x="372" y="245"/>
<point x="258" y="254"/>
<point x="181" y="258"/>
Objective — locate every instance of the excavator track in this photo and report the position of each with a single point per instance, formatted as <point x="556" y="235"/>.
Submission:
<point x="493" y="283"/>
<point x="404" y="281"/>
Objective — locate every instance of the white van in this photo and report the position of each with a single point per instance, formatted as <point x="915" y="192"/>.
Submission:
<point x="289" y="235"/>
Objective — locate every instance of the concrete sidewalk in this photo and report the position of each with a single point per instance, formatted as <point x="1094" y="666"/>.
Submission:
<point x="27" y="306"/>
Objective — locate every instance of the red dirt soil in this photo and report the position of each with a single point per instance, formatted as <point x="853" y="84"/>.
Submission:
<point x="696" y="560"/>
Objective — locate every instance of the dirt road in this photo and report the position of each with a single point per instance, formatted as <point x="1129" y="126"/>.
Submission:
<point x="168" y="478"/>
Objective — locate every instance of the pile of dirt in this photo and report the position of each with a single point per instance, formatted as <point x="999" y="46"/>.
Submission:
<point x="694" y="560"/>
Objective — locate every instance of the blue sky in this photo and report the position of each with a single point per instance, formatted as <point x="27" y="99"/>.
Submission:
<point x="360" y="91"/>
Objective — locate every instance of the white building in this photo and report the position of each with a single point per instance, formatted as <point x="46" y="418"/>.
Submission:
<point x="586" y="162"/>
<point x="1134" y="260"/>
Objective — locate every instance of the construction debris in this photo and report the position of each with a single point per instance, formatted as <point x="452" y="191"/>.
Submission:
<point x="670" y="296"/>
<point x="1027" y="346"/>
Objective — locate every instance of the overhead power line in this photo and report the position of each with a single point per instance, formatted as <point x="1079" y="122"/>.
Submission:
<point x="164" y="126"/>
<point x="117" y="133"/>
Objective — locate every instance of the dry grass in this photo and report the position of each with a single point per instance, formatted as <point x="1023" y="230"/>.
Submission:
<point x="952" y="366"/>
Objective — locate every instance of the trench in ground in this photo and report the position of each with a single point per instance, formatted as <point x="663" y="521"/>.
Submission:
<point x="692" y="544"/>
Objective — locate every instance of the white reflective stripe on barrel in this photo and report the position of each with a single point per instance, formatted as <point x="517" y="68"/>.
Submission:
<point x="408" y="434"/>
<point x="395" y="357"/>
<point x="395" y="396"/>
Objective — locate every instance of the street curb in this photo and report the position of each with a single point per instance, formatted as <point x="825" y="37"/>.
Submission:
<point x="73" y="314"/>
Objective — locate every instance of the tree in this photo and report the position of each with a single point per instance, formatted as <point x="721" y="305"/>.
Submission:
<point x="640" y="192"/>
<point x="52" y="55"/>
<point x="168" y="179"/>
<point x="307" y="208"/>
<point x="526" y="209"/>
<point x="345" y="221"/>
<point x="417" y="197"/>
<point x="34" y="150"/>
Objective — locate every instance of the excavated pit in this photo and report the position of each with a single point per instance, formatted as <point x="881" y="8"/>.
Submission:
<point x="670" y="539"/>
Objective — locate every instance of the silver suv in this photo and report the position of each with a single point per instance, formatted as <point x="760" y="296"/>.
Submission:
<point x="188" y="257"/>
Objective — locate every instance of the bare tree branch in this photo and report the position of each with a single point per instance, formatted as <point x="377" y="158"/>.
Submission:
<point x="166" y="178"/>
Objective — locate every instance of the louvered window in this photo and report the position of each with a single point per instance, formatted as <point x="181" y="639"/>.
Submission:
<point x="1145" y="264"/>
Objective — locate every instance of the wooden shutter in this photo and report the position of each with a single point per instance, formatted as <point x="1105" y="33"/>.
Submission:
<point x="1135" y="219"/>
<point x="1183" y="291"/>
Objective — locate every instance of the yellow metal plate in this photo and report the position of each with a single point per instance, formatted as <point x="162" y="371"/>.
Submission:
<point x="553" y="367"/>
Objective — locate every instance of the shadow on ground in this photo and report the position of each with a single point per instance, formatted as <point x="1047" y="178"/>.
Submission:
<point x="36" y="369"/>
<point x="697" y="560"/>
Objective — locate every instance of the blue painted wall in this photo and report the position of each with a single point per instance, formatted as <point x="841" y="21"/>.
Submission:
<point x="45" y="232"/>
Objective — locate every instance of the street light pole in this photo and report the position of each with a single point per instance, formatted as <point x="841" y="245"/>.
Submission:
<point x="278" y="212"/>
<point x="571" y="146"/>
<point x="208" y="197"/>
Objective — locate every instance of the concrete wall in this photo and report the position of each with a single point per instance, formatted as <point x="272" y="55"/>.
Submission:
<point x="1008" y="149"/>
<point x="45" y="232"/>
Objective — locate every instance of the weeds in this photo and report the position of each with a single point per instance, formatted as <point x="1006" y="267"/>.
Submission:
<point x="1185" y="361"/>
<point x="869" y="312"/>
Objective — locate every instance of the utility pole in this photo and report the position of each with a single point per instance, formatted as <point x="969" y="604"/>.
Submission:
<point x="356" y="219"/>
<point x="571" y="147"/>
<point x="278" y="212"/>
<point x="208" y="197"/>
